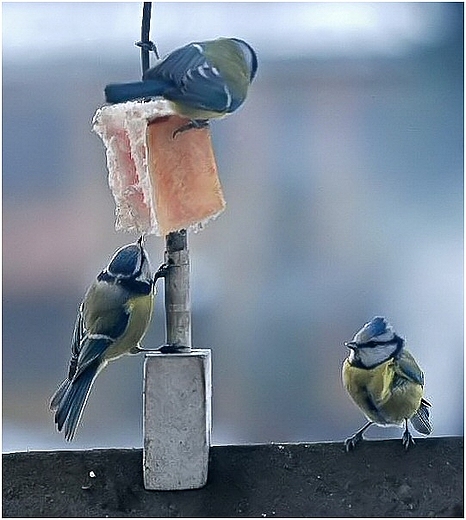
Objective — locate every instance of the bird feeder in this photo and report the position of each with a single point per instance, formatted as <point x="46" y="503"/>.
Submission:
<point x="166" y="183"/>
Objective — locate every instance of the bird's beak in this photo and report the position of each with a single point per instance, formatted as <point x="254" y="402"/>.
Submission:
<point x="350" y="344"/>
<point x="140" y="241"/>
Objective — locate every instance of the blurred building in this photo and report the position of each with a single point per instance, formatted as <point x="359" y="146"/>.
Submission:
<point x="343" y="175"/>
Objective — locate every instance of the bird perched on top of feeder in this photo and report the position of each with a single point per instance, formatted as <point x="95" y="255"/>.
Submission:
<point x="203" y="80"/>
<point x="385" y="381"/>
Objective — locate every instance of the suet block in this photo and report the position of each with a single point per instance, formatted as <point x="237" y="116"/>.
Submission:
<point x="161" y="182"/>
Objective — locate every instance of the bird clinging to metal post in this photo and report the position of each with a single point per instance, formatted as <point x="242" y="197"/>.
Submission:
<point x="112" y="320"/>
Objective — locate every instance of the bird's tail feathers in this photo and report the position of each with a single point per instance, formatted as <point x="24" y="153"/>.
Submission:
<point x="420" y="420"/>
<point x="58" y="395"/>
<point x="121" y="92"/>
<point x="70" y="399"/>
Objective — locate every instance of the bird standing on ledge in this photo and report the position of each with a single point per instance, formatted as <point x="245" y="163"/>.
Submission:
<point x="203" y="80"/>
<point x="385" y="381"/>
<point x="112" y="320"/>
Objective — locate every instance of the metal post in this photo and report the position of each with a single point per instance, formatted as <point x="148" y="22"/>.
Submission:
<point x="177" y="294"/>
<point x="177" y="389"/>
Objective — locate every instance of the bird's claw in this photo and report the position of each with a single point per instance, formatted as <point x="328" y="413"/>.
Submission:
<point x="407" y="439"/>
<point x="173" y="349"/>
<point x="162" y="271"/>
<point x="350" y="443"/>
<point x="193" y="124"/>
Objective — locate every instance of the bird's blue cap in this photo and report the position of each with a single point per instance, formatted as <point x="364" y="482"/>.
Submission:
<point x="376" y="329"/>
<point x="127" y="261"/>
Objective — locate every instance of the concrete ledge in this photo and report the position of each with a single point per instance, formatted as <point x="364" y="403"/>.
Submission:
<point x="282" y="480"/>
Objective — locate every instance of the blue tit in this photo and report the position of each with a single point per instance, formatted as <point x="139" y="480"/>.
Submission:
<point x="112" y="320"/>
<point x="203" y="80"/>
<point x="385" y="381"/>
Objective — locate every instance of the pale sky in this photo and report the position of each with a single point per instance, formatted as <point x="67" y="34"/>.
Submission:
<point x="284" y="29"/>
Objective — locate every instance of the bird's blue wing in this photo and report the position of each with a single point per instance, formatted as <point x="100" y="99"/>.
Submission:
<point x="203" y="90"/>
<point x="407" y="367"/>
<point x="93" y="350"/>
<point x="78" y="333"/>
<point x="95" y="331"/>
<point x="103" y="333"/>
<point x="195" y="82"/>
<point x="175" y="65"/>
<point x="105" y="311"/>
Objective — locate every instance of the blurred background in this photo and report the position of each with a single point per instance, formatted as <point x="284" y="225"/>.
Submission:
<point x="343" y="175"/>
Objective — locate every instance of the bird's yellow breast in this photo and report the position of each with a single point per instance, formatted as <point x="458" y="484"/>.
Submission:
<point x="374" y="391"/>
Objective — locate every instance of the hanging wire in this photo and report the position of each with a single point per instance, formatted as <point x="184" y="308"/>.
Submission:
<point x="146" y="45"/>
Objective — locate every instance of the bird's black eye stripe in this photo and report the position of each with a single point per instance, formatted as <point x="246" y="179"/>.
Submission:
<point x="104" y="276"/>
<point x="372" y="344"/>
<point x="136" y="286"/>
<point x="131" y="284"/>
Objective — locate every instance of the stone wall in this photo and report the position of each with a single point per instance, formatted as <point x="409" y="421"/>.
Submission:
<point x="275" y="480"/>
